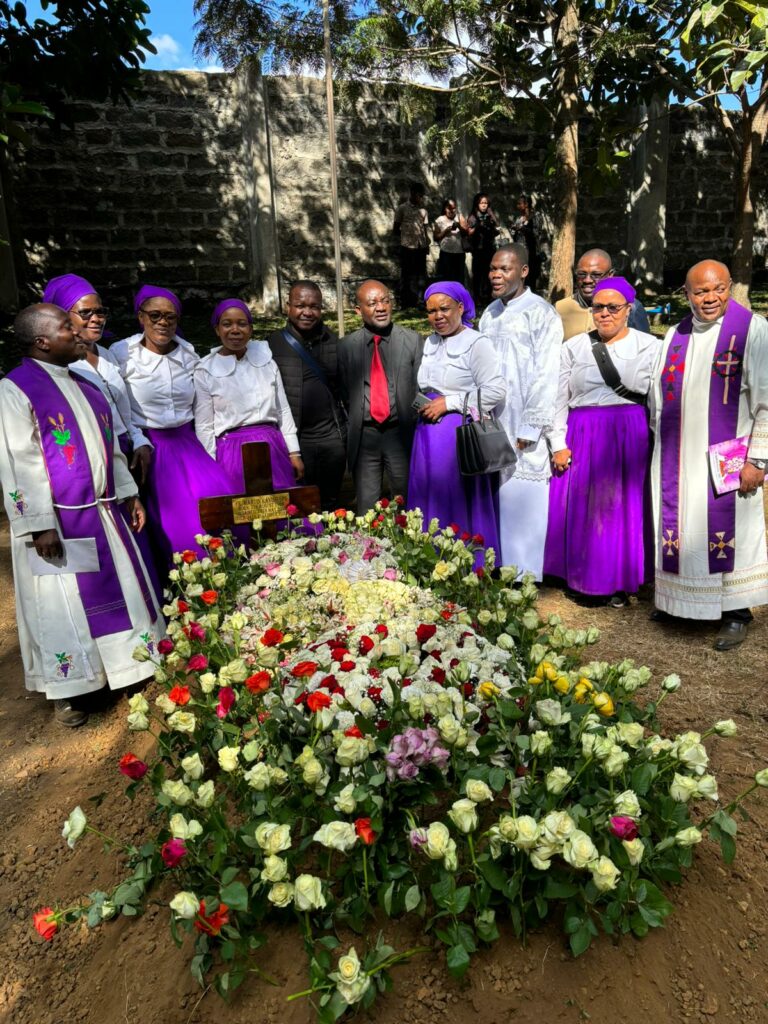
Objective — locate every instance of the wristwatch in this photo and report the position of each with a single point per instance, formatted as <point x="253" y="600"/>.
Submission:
<point x="758" y="463"/>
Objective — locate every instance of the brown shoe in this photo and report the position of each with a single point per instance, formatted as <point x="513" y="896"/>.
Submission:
<point x="65" y="713"/>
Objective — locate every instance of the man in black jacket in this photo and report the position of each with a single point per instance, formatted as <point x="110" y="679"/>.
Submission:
<point x="305" y="351"/>
<point x="378" y="365"/>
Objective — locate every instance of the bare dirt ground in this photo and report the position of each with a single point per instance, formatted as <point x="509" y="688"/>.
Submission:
<point x="707" y="965"/>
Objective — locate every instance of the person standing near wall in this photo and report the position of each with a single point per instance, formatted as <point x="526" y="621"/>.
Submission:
<point x="482" y="229"/>
<point x="524" y="231"/>
<point x="410" y="228"/>
<point x="449" y="232"/>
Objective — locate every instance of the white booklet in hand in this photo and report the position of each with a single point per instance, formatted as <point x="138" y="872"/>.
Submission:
<point x="80" y="555"/>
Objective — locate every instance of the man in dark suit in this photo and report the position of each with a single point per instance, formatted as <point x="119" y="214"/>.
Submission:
<point x="378" y="365"/>
<point x="305" y="353"/>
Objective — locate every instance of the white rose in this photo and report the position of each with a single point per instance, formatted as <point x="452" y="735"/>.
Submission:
<point x="507" y="828"/>
<point x="478" y="791"/>
<point x="671" y="683"/>
<point x="683" y="788"/>
<point x="273" y="838"/>
<point x="183" y="829"/>
<point x="540" y="743"/>
<point x="205" y="795"/>
<point x="178" y="792"/>
<point x="726" y="727"/>
<point x="605" y="874"/>
<point x="345" y="801"/>
<point x="275" y="869"/>
<point x="541" y="857"/>
<point x="688" y="837"/>
<point x="627" y="804"/>
<point x="182" y="721"/>
<point x="138" y="721"/>
<point x="308" y="893"/>
<point x="692" y="753"/>
<point x="614" y="763"/>
<point x="438" y="838"/>
<point x="208" y="682"/>
<point x="761" y="777"/>
<point x="557" y="780"/>
<point x="578" y="849"/>
<point x="706" y="786"/>
<point x="186" y="905"/>
<point x="635" y="850"/>
<point x="281" y="894"/>
<point x="165" y="704"/>
<point x="556" y="826"/>
<point x="235" y="672"/>
<point x="236" y="620"/>
<point x="527" y="832"/>
<point x="630" y="733"/>
<point x="258" y="777"/>
<point x="352" y="751"/>
<point x="229" y="758"/>
<point x="463" y="814"/>
<point x="74" y="827"/>
<point x="312" y="772"/>
<point x="337" y="835"/>
<point x="550" y="712"/>
<point x="192" y="766"/>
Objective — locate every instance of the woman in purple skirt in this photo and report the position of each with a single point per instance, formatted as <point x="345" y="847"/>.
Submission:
<point x="457" y="360"/>
<point x="239" y="397"/>
<point x="599" y="537"/>
<point x="157" y="367"/>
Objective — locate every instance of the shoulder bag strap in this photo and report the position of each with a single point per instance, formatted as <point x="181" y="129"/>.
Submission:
<point x="609" y="373"/>
<point x="302" y="353"/>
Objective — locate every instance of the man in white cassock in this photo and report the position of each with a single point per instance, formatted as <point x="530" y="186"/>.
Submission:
<point x="83" y="598"/>
<point x="711" y="389"/>
<point x="528" y="335"/>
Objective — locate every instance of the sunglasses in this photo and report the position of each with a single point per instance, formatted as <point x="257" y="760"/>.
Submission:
<point x="156" y="316"/>
<point x="612" y="307"/>
<point x="88" y="314"/>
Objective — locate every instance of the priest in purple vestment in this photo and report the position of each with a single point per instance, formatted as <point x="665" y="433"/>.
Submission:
<point x="84" y="602"/>
<point x="711" y="388"/>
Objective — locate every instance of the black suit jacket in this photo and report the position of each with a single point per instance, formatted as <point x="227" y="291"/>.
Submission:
<point x="407" y="347"/>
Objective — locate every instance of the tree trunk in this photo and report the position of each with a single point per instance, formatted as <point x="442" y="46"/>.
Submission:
<point x="566" y="180"/>
<point x="753" y="131"/>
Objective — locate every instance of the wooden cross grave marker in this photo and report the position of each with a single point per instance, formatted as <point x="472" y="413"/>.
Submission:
<point x="260" y="500"/>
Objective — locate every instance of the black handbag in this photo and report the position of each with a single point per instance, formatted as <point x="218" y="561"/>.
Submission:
<point x="482" y="445"/>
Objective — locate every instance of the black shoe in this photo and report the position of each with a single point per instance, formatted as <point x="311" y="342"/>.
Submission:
<point x="66" y="713"/>
<point x="657" y="615"/>
<point x="732" y="633"/>
<point x="618" y="600"/>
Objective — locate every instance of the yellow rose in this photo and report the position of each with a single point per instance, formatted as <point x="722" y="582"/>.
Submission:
<point x="488" y="690"/>
<point x="605" y="874"/>
<point x="603" y="704"/>
<point x="562" y="684"/>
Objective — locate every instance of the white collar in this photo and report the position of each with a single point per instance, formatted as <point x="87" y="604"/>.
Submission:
<point x="257" y="353"/>
<point x="55" y="371"/>
<point x="141" y="354"/>
<point x="457" y="344"/>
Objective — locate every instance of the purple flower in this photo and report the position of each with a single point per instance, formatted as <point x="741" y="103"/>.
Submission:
<point x="390" y="574"/>
<point x="418" y="838"/>
<point x="414" y="749"/>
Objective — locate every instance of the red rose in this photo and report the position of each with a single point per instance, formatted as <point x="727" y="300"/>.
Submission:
<point x="180" y="695"/>
<point x="374" y="692"/>
<point x="438" y="674"/>
<point x="340" y="513"/>
<point x="384" y="502"/>
<point x="347" y="665"/>
<point x="382" y="724"/>
<point x="227" y="697"/>
<point x="365" y="645"/>
<point x="318" y="700"/>
<point x="339" y="653"/>
<point x="197" y="663"/>
<point x="173" y="852"/>
<point x="623" y="827"/>
<point x="468" y="689"/>
<point x="445" y="614"/>
<point x="182" y="606"/>
<point x="455" y="527"/>
<point x="212" y="924"/>
<point x="215" y="543"/>
<point x="480" y="572"/>
<point x="328" y="682"/>
<point x="291" y="510"/>
<point x="258" y="682"/>
<point x="425" y="632"/>
<point x="382" y="631"/>
<point x="131" y="766"/>
<point x="209" y="597"/>
<point x="465" y="537"/>
<point x="353" y="730"/>
<point x="478" y="538"/>
<point x="45" y="923"/>
<point x="165" y="646"/>
<point x="188" y="557"/>
<point x="194" y="631"/>
<point x="401" y="520"/>
<point x="399" y="500"/>
<point x="263" y="716"/>
<point x="304" y="669"/>
<point x="364" y="831"/>
<point x="272" y="638"/>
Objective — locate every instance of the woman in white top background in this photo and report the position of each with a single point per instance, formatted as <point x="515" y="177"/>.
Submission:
<point x="600" y="534"/>
<point x="449" y="231"/>
<point x="239" y="397"/>
<point x="457" y="360"/>
<point x="158" y="368"/>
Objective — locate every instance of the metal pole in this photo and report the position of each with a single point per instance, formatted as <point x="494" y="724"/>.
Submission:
<point x="334" y="176"/>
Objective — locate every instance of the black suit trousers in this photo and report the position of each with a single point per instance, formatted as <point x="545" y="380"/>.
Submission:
<point x="381" y="451"/>
<point x="325" y="459"/>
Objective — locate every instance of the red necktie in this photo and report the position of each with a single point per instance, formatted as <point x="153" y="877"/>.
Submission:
<point x="379" y="387"/>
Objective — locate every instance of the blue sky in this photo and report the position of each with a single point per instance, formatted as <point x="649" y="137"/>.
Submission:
<point x="171" y="23"/>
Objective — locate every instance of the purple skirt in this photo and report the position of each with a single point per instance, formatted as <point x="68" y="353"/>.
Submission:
<point x="436" y="486"/>
<point x="228" y="455"/>
<point x="600" y="534"/>
<point x="180" y="474"/>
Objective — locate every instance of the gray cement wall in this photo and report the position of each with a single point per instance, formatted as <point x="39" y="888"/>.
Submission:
<point x="218" y="184"/>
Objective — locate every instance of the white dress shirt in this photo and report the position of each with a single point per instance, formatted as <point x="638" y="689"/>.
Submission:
<point x="232" y="393"/>
<point x="106" y="376"/>
<point x="460" y="364"/>
<point x="581" y="383"/>
<point x="160" y="387"/>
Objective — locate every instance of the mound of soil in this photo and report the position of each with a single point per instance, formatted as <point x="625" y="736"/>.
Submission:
<point x="707" y="965"/>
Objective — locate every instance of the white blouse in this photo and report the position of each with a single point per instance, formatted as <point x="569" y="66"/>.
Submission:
<point x="232" y="393"/>
<point x="160" y="388"/>
<point x="460" y="364"/>
<point x="581" y="384"/>
<point x="106" y="376"/>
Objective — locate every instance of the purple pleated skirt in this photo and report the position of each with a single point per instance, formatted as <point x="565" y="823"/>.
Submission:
<point x="436" y="486"/>
<point x="600" y="532"/>
<point x="180" y="474"/>
<point x="228" y="455"/>
<point x="142" y="539"/>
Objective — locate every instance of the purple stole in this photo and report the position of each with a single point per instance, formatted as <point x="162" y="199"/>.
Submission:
<point x="724" y="389"/>
<point x="71" y="481"/>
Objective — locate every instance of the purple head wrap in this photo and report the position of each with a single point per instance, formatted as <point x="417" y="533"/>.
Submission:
<point x="616" y="284"/>
<point x="226" y="304"/>
<point x="64" y="291"/>
<point x="458" y="293"/>
<point x="153" y="291"/>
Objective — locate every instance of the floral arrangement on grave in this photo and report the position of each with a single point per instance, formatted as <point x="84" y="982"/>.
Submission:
<point x="355" y="724"/>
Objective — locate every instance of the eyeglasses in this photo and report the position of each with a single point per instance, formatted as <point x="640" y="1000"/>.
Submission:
<point x="88" y="314"/>
<point x="612" y="307"/>
<point x="591" y="275"/>
<point x="156" y="315"/>
<point x="377" y="302"/>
